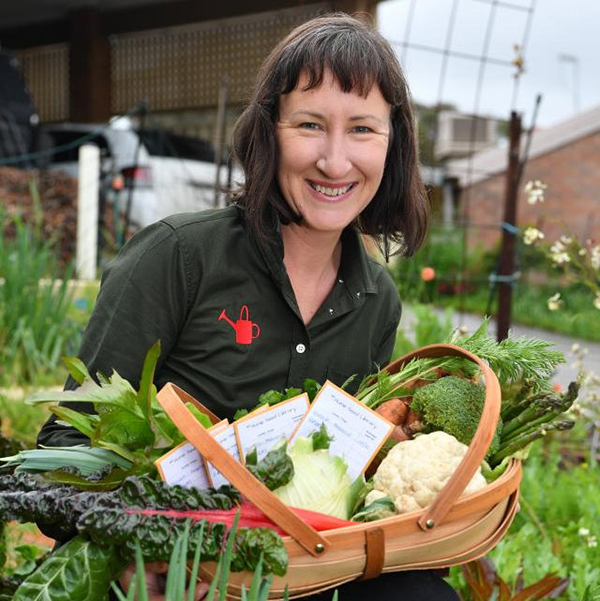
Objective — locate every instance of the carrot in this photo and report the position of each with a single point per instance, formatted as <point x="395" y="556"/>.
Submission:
<point x="399" y="434"/>
<point x="413" y="422"/>
<point x="394" y="410"/>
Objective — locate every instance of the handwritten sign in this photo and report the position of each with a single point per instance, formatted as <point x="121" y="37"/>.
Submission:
<point x="225" y="436"/>
<point x="357" y="431"/>
<point x="264" y="430"/>
<point x="183" y="465"/>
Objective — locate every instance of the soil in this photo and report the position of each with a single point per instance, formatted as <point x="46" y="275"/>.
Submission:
<point x="57" y="195"/>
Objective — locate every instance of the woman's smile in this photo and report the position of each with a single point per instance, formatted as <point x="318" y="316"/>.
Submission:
<point x="330" y="191"/>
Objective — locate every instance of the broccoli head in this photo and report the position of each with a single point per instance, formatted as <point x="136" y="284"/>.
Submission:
<point x="453" y="405"/>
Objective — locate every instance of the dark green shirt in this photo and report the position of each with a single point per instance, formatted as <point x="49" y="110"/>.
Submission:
<point x="226" y="315"/>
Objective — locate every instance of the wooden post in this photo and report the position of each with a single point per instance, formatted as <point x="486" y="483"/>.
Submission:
<point x="506" y="268"/>
<point x="87" y="212"/>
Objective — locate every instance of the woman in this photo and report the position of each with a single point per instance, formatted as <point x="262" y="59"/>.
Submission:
<point x="277" y="287"/>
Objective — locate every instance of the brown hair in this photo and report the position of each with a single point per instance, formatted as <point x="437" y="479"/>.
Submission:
<point x="359" y="57"/>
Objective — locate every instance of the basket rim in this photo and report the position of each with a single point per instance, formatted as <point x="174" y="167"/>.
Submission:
<point x="510" y="480"/>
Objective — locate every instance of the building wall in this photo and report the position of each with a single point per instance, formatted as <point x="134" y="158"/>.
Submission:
<point x="572" y="199"/>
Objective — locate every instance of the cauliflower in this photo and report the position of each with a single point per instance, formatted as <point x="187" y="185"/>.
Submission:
<point x="414" y="471"/>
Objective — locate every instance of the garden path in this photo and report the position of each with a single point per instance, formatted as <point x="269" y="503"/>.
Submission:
<point x="565" y="373"/>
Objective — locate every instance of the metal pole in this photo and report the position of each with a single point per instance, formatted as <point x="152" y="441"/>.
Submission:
<point x="506" y="268"/>
<point x="220" y="136"/>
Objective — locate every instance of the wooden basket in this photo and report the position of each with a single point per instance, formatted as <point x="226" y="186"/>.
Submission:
<point x="451" y="531"/>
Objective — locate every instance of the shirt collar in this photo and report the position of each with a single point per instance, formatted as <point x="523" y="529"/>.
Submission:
<point x="355" y="268"/>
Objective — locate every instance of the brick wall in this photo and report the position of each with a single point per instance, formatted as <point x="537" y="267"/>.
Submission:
<point x="572" y="174"/>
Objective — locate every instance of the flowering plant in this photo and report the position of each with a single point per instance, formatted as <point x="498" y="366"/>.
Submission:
<point x="574" y="257"/>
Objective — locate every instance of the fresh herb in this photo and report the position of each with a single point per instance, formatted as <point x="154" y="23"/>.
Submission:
<point x="129" y="423"/>
<point x="512" y="360"/>
<point x="273" y="397"/>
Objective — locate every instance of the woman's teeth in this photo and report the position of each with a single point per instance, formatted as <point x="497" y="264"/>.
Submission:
<point x="331" y="191"/>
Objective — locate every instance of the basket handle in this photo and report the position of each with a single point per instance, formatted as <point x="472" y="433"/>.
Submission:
<point x="436" y="512"/>
<point x="170" y="399"/>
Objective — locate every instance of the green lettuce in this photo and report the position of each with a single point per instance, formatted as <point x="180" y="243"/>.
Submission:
<point x="321" y="482"/>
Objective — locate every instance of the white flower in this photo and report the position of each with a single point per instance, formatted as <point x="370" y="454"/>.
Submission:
<point x="531" y="235"/>
<point x="575" y="347"/>
<point x="597" y="300"/>
<point x="595" y="257"/>
<point x="583" y="532"/>
<point x="566" y="240"/>
<point x="535" y="191"/>
<point x="557" y="247"/>
<point x="555" y="302"/>
<point x="582" y="252"/>
<point x="561" y="258"/>
<point x="592" y="541"/>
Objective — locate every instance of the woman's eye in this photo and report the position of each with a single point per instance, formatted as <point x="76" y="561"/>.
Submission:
<point x="309" y="125"/>
<point x="362" y="129"/>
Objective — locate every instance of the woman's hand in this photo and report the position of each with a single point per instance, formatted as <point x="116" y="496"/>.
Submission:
<point x="156" y="576"/>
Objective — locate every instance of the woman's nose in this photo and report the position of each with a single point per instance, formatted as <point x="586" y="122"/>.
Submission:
<point x="334" y="161"/>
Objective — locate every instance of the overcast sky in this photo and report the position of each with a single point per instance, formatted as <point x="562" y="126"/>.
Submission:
<point x="567" y="28"/>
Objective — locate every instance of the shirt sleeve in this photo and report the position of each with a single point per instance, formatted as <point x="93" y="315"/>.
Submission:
<point x="143" y="298"/>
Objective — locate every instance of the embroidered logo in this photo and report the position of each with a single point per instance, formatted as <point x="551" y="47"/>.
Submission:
<point x="245" y="330"/>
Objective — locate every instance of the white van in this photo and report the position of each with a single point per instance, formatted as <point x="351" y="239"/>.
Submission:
<point x="163" y="173"/>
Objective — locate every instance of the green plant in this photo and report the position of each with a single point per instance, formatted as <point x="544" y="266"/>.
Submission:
<point x="426" y="325"/>
<point x="177" y="581"/>
<point x="34" y="304"/>
<point x="559" y="511"/>
<point x="484" y="584"/>
<point x="19" y="421"/>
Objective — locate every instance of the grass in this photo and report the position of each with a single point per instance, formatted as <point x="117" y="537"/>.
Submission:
<point x="462" y="283"/>
<point x="578" y="318"/>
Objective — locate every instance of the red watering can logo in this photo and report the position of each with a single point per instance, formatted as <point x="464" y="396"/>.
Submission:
<point x="245" y="330"/>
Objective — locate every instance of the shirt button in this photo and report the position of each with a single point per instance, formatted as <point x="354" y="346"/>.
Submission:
<point x="300" y="348"/>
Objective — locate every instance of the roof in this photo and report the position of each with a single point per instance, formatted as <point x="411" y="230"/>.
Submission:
<point x="492" y="161"/>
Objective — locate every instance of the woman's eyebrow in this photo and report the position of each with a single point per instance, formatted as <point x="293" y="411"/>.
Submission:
<point x="307" y="113"/>
<point x="368" y="116"/>
<point x="317" y="115"/>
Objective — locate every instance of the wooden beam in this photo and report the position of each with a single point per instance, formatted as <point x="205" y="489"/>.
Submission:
<point x="89" y="68"/>
<point x="38" y="34"/>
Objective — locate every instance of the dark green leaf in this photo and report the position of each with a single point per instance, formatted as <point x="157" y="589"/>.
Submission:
<point x="271" y="397"/>
<point x="321" y="438"/>
<point x="147" y="389"/>
<point x="311" y="387"/>
<point x="124" y="427"/>
<point x="77" y="369"/>
<point x="275" y="469"/>
<point x="290" y="393"/>
<point x="78" y="571"/>
<point x="80" y="421"/>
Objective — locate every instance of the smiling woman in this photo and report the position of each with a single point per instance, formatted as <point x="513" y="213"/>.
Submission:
<point x="328" y="149"/>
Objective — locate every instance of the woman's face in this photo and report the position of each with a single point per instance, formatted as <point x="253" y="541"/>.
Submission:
<point x="332" y="150"/>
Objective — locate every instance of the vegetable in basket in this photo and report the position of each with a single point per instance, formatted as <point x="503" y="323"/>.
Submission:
<point x="306" y="476"/>
<point x="130" y="426"/>
<point x="454" y="406"/>
<point x="321" y="483"/>
<point x="415" y="471"/>
<point x="109" y="526"/>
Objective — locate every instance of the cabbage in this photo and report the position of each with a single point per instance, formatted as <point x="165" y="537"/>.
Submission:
<point x="321" y="482"/>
